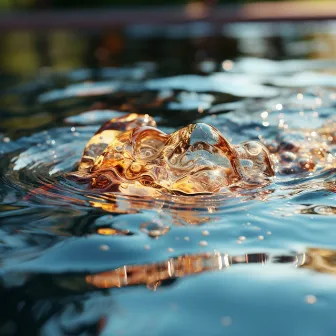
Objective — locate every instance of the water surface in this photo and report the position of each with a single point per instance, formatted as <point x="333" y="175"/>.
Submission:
<point x="78" y="262"/>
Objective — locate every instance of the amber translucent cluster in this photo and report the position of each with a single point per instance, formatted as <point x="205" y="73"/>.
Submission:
<point x="130" y="152"/>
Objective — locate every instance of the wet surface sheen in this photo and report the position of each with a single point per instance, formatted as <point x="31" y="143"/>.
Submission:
<point x="83" y="257"/>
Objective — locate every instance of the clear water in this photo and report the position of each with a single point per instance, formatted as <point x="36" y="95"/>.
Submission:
<point x="78" y="262"/>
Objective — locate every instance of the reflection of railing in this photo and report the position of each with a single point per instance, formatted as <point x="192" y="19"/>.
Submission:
<point x="153" y="274"/>
<point x="274" y="11"/>
<point x="320" y="260"/>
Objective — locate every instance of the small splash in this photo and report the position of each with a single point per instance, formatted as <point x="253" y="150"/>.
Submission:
<point x="129" y="154"/>
<point x="305" y="150"/>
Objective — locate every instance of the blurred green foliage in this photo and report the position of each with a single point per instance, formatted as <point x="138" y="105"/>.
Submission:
<point x="36" y="4"/>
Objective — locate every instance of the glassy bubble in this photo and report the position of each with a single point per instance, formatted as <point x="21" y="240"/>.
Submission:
<point x="153" y="229"/>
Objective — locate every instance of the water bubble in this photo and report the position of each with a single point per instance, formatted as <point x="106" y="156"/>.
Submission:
<point x="287" y="157"/>
<point x="154" y="230"/>
<point x="227" y="65"/>
<point x="104" y="247"/>
<point x="226" y="321"/>
<point x="264" y="114"/>
<point x="311" y="299"/>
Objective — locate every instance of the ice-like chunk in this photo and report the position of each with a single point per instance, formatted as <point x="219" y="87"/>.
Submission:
<point x="195" y="159"/>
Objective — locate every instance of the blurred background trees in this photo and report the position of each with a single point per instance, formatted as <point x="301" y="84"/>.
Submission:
<point x="65" y="4"/>
<point x="176" y="47"/>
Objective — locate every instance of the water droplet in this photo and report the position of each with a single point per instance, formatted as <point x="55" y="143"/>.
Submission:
<point x="226" y="321"/>
<point x="311" y="299"/>
<point x="154" y="230"/>
<point x="104" y="247"/>
<point x="227" y="65"/>
<point x="264" y="114"/>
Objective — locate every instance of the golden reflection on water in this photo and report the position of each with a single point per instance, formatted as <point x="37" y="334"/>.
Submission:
<point x="111" y="232"/>
<point x="324" y="210"/>
<point x="320" y="260"/>
<point x="153" y="275"/>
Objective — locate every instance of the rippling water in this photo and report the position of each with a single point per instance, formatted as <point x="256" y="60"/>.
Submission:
<point x="76" y="261"/>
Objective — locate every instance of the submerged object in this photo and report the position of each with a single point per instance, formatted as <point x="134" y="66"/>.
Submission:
<point x="129" y="153"/>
